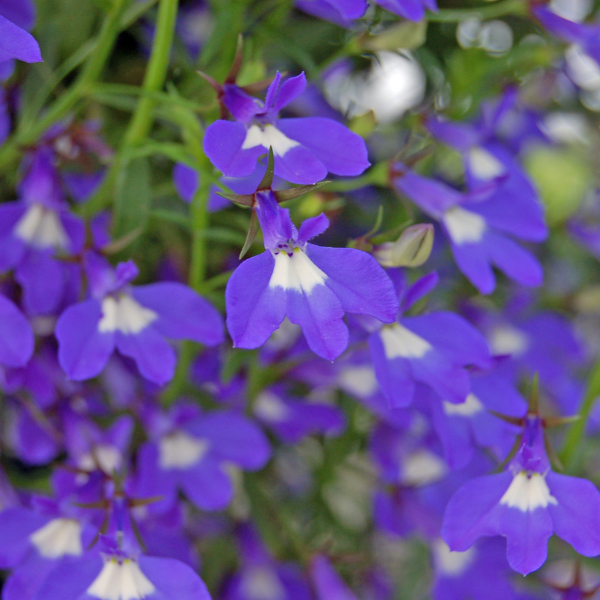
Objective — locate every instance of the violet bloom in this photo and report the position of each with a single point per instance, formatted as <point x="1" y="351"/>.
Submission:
<point x="36" y="229"/>
<point x="526" y="504"/>
<point x="293" y="419"/>
<point x="113" y="574"/>
<point x="343" y="12"/>
<point x="16" y="335"/>
<point x="587" y="36"/>
<point x="15" y="42"/>
<point x="260" y="576"/>
<point x="305" y="149"/>
<point x="134" y="320"/>
<point x="326" y="581"/>
<point x="434" y="349"/>
<point x="311" y="285"/>
<point x="477" y="228"/>
<point x="190" y="451"/>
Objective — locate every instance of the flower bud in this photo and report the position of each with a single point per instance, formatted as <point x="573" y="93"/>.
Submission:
<point x="411" y="249"/>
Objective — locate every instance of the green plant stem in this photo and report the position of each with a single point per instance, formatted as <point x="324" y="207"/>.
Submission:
<point x="59" y="109"/>
<point x="199" y="215"/>
<point x="492" y="11"/>
<point x="575" y="435"/>
<point x="154" y="79"/>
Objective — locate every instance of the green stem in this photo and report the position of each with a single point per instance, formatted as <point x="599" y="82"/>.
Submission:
<point x="154" y="79"/>
<point x="199" y="216"/>
<point x="576" y="434"/>
<point x="499" y="9"/>
<point x="92" y="70"/>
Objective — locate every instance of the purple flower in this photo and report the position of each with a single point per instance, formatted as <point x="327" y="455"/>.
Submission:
<point x="587" y="36"/>
<point x="526" y="504"/>
<point x="189" y="451"/>
<point x="327" y="583"/>
<point x="115" y="575"/>
<point x="15" y="42"/>
<point x="16" y="335"/>
<point x="134" y="320"/>
<point x="434" y="349"/>
<point x="476" y="224"/>
<point x="305" y="149"/>
<point x="311" y="285"/>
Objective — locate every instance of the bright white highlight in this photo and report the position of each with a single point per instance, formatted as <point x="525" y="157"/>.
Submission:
<point x="270" y="136"/>
<point x="262" y="583"/>
<point x="42" y="228"/>
<point x="464" y="226"/>
<point x="124" y="314"/>
<point x="58" y="538"/>
<point x="296" y="272"/>
<point x="106" y="457"/>
<point x="121" y="581"/>
<point x="484" y="164"/>
<point x="471" y="406"/>
<point x="401" y="342"/>
<point x="508" y="340"/>
<point x="528" y="492"/>
<point x="358" y="380"/>
<point x="180" y="450"/>
<point x="421" y="468"/>
<point x="451" y="563"/>
<point x="270" y="408"/>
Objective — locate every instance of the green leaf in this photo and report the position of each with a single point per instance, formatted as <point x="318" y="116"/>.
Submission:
<point x="132" y="199"/>
<point x="407" y="35"/>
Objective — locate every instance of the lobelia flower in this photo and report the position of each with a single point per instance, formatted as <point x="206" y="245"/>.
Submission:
<point x="133" y="320"/>
<point x="305" y="148"/>
<point x="34" y="543"/>
<point x="311" y="285"/>
<point x="477" y="226"/>
<point x="15" y="42"/>
<point x="293" y="419"/>
<point x="34" y="230"/>
<point x="109" y="573"/>
<point x="526" y="504"/>
<point x="189" y="451"/>
<point x="260" y="576"/>
<point x="584" y="35"/>
<point x="343" y="12"/>
<point x="16" y="335"/>
<point x="326" y="581"/>
<point x="434" y="349"/>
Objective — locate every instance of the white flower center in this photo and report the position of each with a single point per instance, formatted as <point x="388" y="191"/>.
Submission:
<point x="296" y="272"/>
<point x="180" y="450"/>
<point x="471" y="406"/>
<point x="421" y="468"/>
<point x="398" y="341"/>
<point x="58" y="538"/>
<point x="463" y="225"/>
<point x="508" y="340"/>
<point x="528" y="492"/>
<point x="41" y="227"/>
<point x="121" y="581"/>
<point x="124" y="314"/>
<point x="106" y="457"/>
<point x="358" y="380"/>
<point x="270" y="408"/>
<point x="268" y="136"/>
<point x="450" y="563"/>
<point x="484" y="165"/>
<point x="261" y="583"/>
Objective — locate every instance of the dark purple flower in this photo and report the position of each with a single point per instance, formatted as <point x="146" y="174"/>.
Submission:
<point x="134" y="320"/>
<point x="326" y="581"/>
<point x="526" y="504"/>
<point x="16" y="335"/>
<point x="311" y="285"/>
<point x="15" y="42"/>
<point x="305" y="149"/>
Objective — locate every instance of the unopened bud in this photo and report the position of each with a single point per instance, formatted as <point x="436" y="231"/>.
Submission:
<point x="411" y="249"/>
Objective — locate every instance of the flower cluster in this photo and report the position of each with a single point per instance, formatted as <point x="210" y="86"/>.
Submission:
<point x="198" y="401"/>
